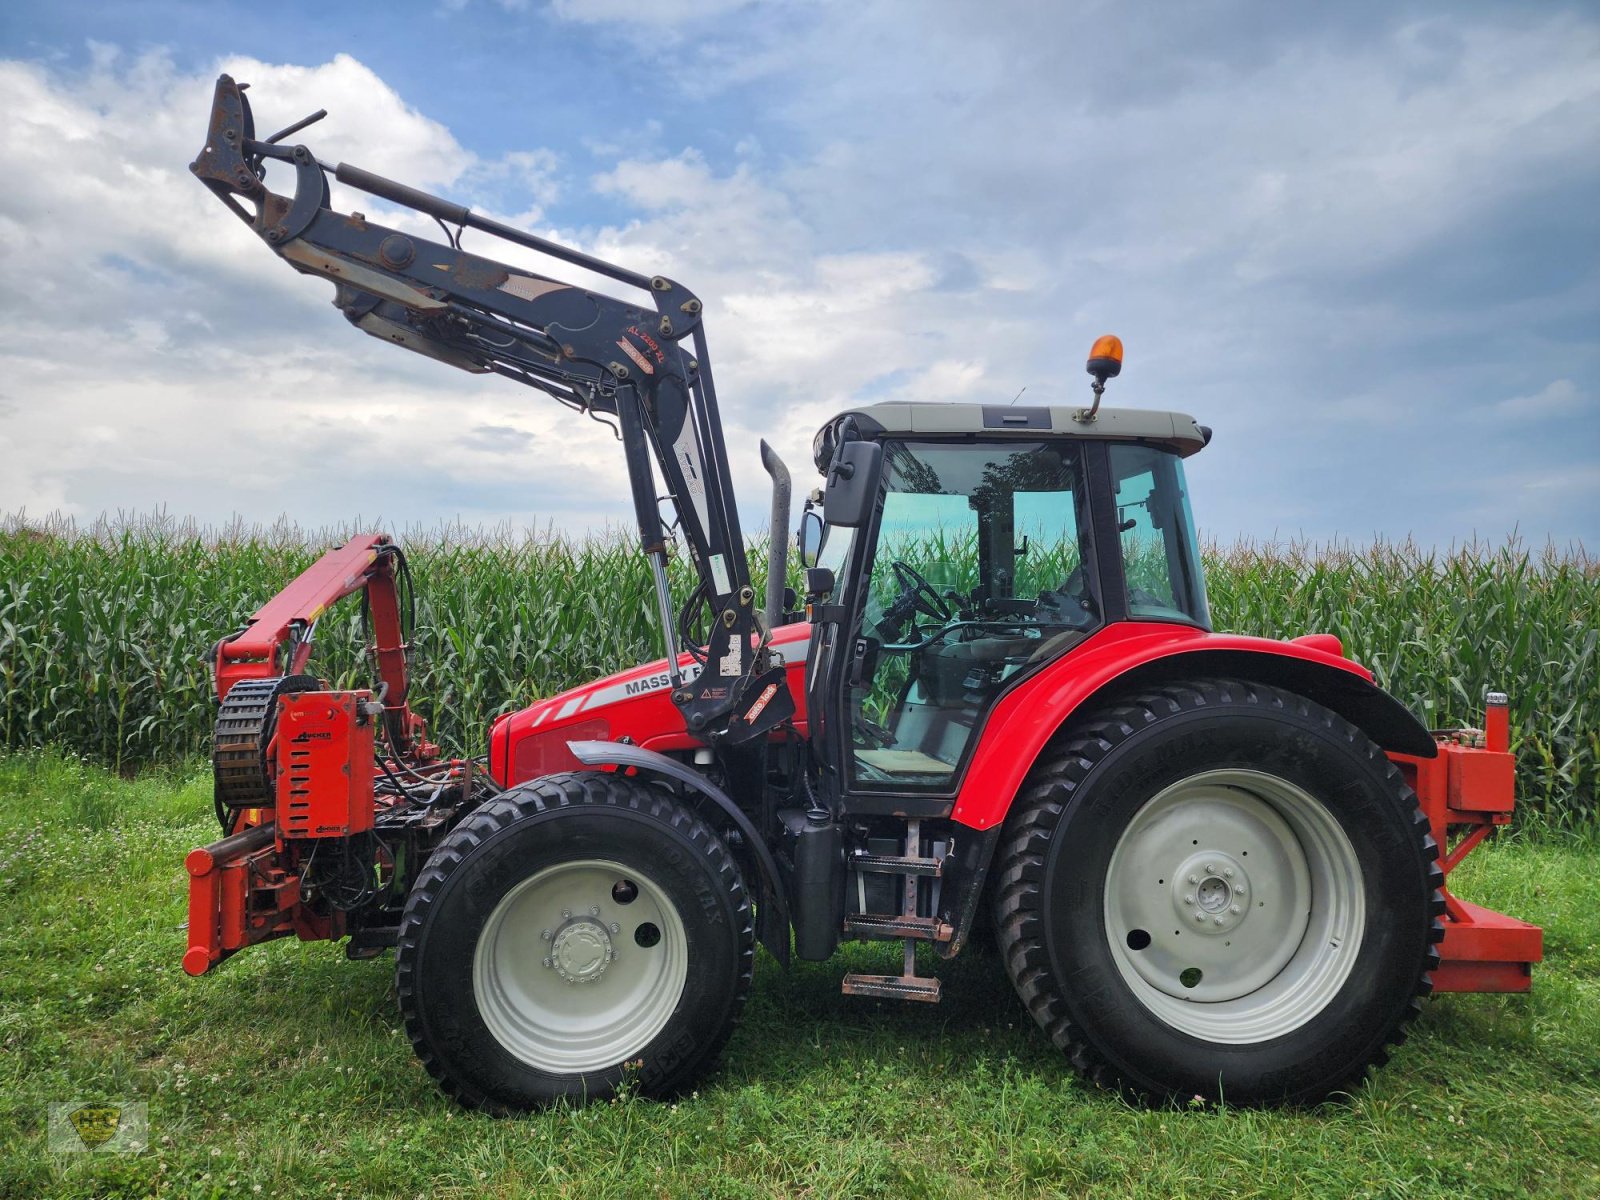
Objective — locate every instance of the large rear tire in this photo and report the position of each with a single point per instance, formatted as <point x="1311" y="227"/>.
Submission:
<point x="574" y="933"/>
<point x="1219" y="889"/>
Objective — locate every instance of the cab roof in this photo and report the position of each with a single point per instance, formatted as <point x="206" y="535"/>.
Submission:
<point x="1173" y="431"/>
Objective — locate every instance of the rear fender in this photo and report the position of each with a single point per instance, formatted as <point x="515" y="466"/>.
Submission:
<point x="1133" y="655"/>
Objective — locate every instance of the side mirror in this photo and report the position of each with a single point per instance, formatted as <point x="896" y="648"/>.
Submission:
<point x="852" y="484"/>
<point x="812" y="537"/>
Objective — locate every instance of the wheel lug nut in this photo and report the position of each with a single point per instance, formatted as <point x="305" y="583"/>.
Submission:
<point x="1239" y="891"/>
<point x="615" y="928"/>
<point x="1188" y="899"/>
<point x="1217" y="921"/>
<point x="1194" y="879"/>
<point x="547" y="935"/>
<point x="549" y="962"/>
<point x="1228" y="873"/>
<point x="1234" y="910"/>
<point x="1200" y="917"/>
<point x="566" y="914"/>
<point x="594" y="910"/>
<point x="1211" y="869"/>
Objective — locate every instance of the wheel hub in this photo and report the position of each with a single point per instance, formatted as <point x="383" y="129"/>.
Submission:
<point x="582" y="950"/>
<point x="1211" y="892"/>
<point x="1229" y="901"/>
<point x="555" y="981"/>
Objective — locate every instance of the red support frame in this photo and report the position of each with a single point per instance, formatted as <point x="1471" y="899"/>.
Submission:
<point x="1469" y="791"/>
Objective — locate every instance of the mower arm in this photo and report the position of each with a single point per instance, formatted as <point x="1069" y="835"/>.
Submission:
<point x="277" y="639"/>
<point x="599" y="355"/>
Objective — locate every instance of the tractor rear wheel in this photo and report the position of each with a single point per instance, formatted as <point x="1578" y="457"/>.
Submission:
<point x="574" y="934"/>
<point x="1219" y="889"/>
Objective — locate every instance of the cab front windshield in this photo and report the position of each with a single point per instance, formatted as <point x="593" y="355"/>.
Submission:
<point x="978" y="574"/>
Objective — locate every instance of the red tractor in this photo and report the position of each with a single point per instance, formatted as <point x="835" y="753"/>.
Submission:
<point x="1214" y="865"/>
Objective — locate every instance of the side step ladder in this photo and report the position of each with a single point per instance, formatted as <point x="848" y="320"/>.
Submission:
<point x="905" y="924"/>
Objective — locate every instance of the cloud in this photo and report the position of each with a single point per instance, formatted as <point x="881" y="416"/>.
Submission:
<point x="1558" y="398"/>
<point x="497" y="439"/>
<point x="158" y="354"/>
<point x="1328" y="233"/>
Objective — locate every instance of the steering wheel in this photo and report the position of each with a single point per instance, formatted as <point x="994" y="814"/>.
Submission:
<point x="925" y="600"/>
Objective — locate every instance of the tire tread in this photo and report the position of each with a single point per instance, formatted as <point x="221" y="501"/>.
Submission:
<point x="573" y="790"/>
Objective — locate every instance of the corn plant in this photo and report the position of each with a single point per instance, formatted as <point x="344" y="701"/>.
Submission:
<point x="105" y="630"/>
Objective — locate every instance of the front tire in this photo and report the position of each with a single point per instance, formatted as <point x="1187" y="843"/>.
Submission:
<point x="1219" y="889"/>
<point x="574" y="933"/>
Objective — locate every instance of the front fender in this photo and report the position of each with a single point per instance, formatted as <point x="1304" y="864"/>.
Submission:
<point x="774" y="920"/>
<point x="1129" y="655"/>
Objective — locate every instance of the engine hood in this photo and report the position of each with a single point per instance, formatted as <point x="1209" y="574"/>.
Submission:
<point x="634" y="704"/>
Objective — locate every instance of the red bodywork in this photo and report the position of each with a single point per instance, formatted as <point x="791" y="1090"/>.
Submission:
<point x="635" y="704"/>
<point x="1466" y="790"/>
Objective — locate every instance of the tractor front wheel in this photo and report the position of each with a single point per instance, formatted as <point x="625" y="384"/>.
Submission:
<point x="1219" y="889"/>
<point x="574" y="934"/>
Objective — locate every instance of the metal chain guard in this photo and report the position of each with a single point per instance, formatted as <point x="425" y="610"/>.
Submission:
<point x="243" y="733"/>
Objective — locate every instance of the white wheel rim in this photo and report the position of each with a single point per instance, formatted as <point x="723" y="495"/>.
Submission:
<point x="569" y="977"/>
<point x="1251" y="898"/>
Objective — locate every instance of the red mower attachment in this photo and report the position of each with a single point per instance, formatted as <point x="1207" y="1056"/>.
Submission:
<point x="318" y="792"/>
<point x="1467" y="792"/>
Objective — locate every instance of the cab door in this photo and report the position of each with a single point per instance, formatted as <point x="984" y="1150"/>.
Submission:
<point x="973" y="572"/>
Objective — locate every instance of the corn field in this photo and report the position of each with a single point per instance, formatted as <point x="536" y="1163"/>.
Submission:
<point x="105" y="631"/>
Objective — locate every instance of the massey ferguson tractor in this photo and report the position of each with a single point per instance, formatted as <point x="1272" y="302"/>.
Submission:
<point x="1213" y="865"/>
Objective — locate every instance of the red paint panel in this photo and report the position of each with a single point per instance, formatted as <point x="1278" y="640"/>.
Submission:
<point x="635" y="704"/>
<point x="1481" y="780"/>
<point x="325" y="761"/>
<point x="1025" y="718"/>
<point x="545" y="753"/>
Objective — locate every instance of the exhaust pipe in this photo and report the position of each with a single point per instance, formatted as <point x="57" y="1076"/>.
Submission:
<point x="778" y="547"/>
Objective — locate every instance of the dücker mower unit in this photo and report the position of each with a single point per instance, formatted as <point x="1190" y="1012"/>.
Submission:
<point x="1213" y="865"/>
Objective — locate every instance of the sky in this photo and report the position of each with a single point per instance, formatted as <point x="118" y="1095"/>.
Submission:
<point x="1357" y="240"/>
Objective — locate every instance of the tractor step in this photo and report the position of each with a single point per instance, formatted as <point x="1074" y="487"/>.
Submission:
<point x="896" y="864"/>
<point x="892" y="987"/>
<point x="371" y="941"/>
<point x="886" y="925"/>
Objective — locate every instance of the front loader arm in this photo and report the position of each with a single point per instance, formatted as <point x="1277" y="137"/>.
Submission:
<point x="595" y="353"/>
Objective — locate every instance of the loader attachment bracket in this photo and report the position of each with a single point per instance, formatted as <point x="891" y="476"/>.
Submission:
<point x="231" y="165"/>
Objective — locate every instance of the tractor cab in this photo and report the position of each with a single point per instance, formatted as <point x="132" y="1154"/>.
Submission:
<point x="963" y="547"/>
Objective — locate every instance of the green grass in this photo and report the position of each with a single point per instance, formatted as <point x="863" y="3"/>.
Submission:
<point x="286" y="1070"/>
<point x="104" y="631"/>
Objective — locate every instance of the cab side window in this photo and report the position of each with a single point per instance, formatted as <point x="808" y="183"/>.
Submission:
<point x="1160" y="558"/>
